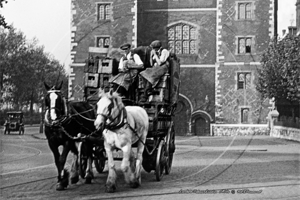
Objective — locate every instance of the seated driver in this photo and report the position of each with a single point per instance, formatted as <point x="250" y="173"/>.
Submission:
<point x="159" y="66"/>
<point x="129" y="65"/>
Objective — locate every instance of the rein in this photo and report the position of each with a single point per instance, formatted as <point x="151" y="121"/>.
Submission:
<point x="68" y="117"/>
<point x="80" y="114"/>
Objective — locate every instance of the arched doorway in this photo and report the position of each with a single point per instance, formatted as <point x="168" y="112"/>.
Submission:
<point x="201" y="121"/>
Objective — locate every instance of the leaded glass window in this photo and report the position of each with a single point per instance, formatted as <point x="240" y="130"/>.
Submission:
<point x="104" y="11"/>
<point x="248" y="11"/>
<point x="103" y="42"/>
<point x="241" y="11"/>
<point x="182" y="39"/>
<point x="241" y="45"/>
<point x="245" y="45"/>
<point x="245" y="10"/>
<point x="244" y="80"/>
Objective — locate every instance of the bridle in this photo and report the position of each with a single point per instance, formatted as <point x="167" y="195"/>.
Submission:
<point x="119" y="120"/>
<point x="63" y="112"/>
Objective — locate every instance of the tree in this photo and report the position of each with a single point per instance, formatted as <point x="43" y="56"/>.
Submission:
<point x="11" y="42"/>
<point x="24" y="68"/>
<point x="2" y="18"/>
<point x="279" y="74"/>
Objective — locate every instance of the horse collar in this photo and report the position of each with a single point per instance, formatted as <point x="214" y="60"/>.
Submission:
<point x="122" y="120"/>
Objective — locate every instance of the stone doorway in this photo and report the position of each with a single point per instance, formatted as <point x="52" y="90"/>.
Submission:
<point x="201" y="123"/>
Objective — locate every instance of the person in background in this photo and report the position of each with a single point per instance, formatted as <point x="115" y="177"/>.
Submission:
<point x="129" y="66"/>
<point x="159" y="66"/>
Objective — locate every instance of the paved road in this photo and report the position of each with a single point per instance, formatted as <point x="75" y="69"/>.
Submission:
<point x="257" y="167"/>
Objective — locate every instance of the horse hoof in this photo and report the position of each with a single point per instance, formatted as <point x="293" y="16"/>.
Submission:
<point x="60" y="187"/>
<point x="88" y="180"/>
<point x="65" y="180"/>
<point x="74" y="179"/>
<point x="134" y="184"/>
<point x="110" y="189"/>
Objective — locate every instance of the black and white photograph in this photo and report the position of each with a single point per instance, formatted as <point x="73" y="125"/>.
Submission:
<point x="150" y="99"/>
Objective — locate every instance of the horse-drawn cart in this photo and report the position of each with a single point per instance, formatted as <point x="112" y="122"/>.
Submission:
<point x="160" y="107"/>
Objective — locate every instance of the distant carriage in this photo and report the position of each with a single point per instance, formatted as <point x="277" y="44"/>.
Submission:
<point x="160" y="107"/>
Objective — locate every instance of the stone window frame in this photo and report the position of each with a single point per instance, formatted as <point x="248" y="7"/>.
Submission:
<point x="97" y="37"/>
<point x="241" y="84"/>
<point x="238" y="43"/>
<point x="194" y="40"/>
<point x="107" y="16"/>
<point x="252" y="10"/>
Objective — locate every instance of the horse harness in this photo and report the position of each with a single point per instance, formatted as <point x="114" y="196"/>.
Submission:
<point x="66" y="118"/>
<point x="122" y="116"/>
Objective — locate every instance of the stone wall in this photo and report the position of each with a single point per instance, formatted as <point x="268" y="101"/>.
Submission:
<point x="286" y="133"/>
<point x="239" y="129"/>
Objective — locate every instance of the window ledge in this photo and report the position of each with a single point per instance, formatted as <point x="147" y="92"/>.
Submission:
<point x="245" y="54"/>
<point x="104" y="20"/>
<point x="245" y="19"/>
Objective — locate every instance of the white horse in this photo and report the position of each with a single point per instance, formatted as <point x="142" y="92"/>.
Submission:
<point x="122" y="126"/>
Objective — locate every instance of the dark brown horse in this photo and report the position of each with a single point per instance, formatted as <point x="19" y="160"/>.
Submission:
<point x="63" y="122"/>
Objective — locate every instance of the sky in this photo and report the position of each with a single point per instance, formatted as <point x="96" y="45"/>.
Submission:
<point x="49" y="21"/>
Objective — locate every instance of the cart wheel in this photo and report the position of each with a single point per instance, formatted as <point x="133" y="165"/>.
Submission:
<point x="170" y="148"/>
<point x="160" y="161"/>
<point x="99" y="159"/>
<point x="82" y="160"/>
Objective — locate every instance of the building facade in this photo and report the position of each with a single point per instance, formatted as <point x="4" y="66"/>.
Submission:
<point x="219" y="43"/>
<point x="298" y="16"/>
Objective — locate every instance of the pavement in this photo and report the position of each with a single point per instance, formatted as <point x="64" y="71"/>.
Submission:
<point x="254" y="191"/>
<point x="40" y="136"/>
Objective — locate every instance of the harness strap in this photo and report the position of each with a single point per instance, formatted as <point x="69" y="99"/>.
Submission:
<point x="139" y="139"/>
<point x="124" y="122"/>
<point x="122" y="118"/>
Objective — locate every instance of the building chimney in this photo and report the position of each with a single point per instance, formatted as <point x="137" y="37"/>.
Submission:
<point x="283" y="32"/>
<point x="292" y="30"/>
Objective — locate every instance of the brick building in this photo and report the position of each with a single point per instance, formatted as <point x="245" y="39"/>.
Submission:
<point x="298" y="16"/>
<point x="219" y="43"/>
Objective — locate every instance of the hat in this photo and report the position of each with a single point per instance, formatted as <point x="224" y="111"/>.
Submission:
<point x="125" y="46"/>
<point x="155" y="44"/>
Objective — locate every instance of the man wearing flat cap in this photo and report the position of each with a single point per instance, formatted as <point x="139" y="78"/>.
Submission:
<point x="129" y="66"/>
<point x="160" y="66"/>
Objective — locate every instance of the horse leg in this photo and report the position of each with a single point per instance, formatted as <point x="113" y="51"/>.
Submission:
<point x="89" y="170"/>
<point x="128" y="165"/>
<point x="75" y="165"/>
<point x="64" y="172"/>
<point x="140" y="150"/>
<point x="112" y="175"/>
<point x="56" y="155"/>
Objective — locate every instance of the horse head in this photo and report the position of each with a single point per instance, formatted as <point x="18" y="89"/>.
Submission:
<point x="109" y="110"/>
<point x="55" y="103"/>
